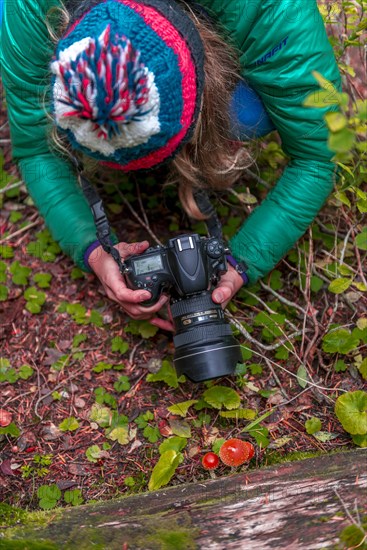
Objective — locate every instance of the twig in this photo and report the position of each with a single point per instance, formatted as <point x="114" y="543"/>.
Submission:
<point x="313" y="384"/>
<point x="71" y="377"/>
<point x="136" y="215"/>
<point x="22" y="230"/>
<point x="12" y="186"/>
<point x="275" y="376"/>
<point x="282" y="299"/>
<point x="257" y="178"/>
<point x="248" y="336"/>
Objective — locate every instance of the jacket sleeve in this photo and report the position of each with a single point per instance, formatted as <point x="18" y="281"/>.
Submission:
<point x="282" y="43"/>
<point x="25" y="54"/>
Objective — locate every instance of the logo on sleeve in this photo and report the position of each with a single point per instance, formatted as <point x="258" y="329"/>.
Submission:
<point x="272" y="52"/>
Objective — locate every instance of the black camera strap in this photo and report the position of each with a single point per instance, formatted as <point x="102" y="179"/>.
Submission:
<point x="103" y="228"/>
<point x="205" y="206"/>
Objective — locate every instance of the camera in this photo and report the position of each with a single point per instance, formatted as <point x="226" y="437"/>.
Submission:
<point x="187" y="268"/>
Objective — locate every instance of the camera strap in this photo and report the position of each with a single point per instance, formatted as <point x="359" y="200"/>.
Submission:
<point x="103" y="228"/>
<point x="205" y="206"/>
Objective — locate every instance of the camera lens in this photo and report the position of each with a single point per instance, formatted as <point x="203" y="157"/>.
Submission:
<point x="205" y="347"/>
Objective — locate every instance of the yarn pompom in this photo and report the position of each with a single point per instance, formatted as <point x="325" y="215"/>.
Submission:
<point x="104" y="83"/>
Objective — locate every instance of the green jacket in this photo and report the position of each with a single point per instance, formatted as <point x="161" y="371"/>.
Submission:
<point x="282" y="42"/>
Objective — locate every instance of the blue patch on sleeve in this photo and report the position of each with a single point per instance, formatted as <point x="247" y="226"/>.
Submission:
<point x="249" y="118"/>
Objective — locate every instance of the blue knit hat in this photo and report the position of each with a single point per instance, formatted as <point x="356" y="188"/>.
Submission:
<point x="128" y="82"/>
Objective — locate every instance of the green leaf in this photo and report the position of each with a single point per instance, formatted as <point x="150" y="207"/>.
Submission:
<point x="3" y="293"/>
<point x="144" y="328"/>
<point x="336" y="121"/>
<point x="151" y="433"/>
<point x="340" y="366"/>
<point x="101" y="366"/>
<point x="342" y="141"/>
<point x="247" y="414"/>
<point x="42" y="279"/>
<point x="363" y="369"/>
<point x="69" y="424"/>
<point x="6" y="251"/>
<point x="302" y="376"/>
<point x="120" y="434"/>
<point x="73" y="497"/>
<point x="164" y="470"/>
<point x="324" y="437"/>
<point x="339" y="341"/>
<point x="175" y="443"/>
<point x="361" y="239"/>
<point x="339" y="285"/>
<point x="122" y="384"/>
<point x="313" y="425"/>
<point x="352" y="536"/>
<point x="166" y="373"/>
<point x="48" y="495"/>
<point x="180" y="427"/>
<point x="25" y="372"/>
<point x="34" y="295"/>
<point x="33" y="307"/>
<point x="342" y="197"/>
<point x="11" y="429"/>
<point x="260" y="434"/>
<point x="360" y="440"/>
<point x="77" y="273"/>
<point x="94" y="453"/>
<point x="78" y="339"/>
<point x="120" y="345"/>
<point x="182" y="408"/>
<point x="351" y="411"/>
<point x="221" y="396"/>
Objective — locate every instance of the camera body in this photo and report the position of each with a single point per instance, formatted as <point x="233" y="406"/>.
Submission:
<point x="187" y="265"/>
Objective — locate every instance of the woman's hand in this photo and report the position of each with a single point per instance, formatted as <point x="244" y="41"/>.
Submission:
<point x="229" y="284"/>
<point x="107" y="271"/>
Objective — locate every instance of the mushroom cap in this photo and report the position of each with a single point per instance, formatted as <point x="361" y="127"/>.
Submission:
<point x="235" y="452"/>
<point x="210" y="461"/>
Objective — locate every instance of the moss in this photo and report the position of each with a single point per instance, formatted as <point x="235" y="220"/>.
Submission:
<point x="173" y="540"/>
<point x="7" y="544"/>
<point x="10" y="515"/>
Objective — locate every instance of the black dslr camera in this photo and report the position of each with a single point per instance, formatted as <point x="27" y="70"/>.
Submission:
<point x="188" y="267"/>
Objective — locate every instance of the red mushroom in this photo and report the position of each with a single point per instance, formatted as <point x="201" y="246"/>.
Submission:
<point x="210" y="461"/>
<point x="235" y="452"/>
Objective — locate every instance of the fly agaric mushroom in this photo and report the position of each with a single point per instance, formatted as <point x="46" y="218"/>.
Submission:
<point x="210" y="461"/>
<point x="235" y="452"/>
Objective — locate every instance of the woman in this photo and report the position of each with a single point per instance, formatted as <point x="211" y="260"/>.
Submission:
<point x="136" y="83"/>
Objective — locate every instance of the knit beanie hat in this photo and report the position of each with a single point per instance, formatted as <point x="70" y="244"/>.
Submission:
<point x="128" y="82"/>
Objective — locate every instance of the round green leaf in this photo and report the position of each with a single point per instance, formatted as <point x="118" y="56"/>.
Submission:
<point x="339" y="341"/>
<point x="221" y="396"/>
<point x="351" y="410"/>
<point x="313" y="425"/>
<point x="340" y="285"/>
<point x="335" y="121"/>
<point x="342" y="141"/>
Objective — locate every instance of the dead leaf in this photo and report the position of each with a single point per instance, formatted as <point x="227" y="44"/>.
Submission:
<point x="51" y="432"/>
<point x="6" y="469"/>
<point x="77" y="470"/>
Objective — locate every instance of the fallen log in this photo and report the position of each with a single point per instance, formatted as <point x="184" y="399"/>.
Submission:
<point x="295" y="505"/>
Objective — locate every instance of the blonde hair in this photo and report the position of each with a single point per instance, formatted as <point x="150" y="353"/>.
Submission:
<point x="213" y="159"/>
